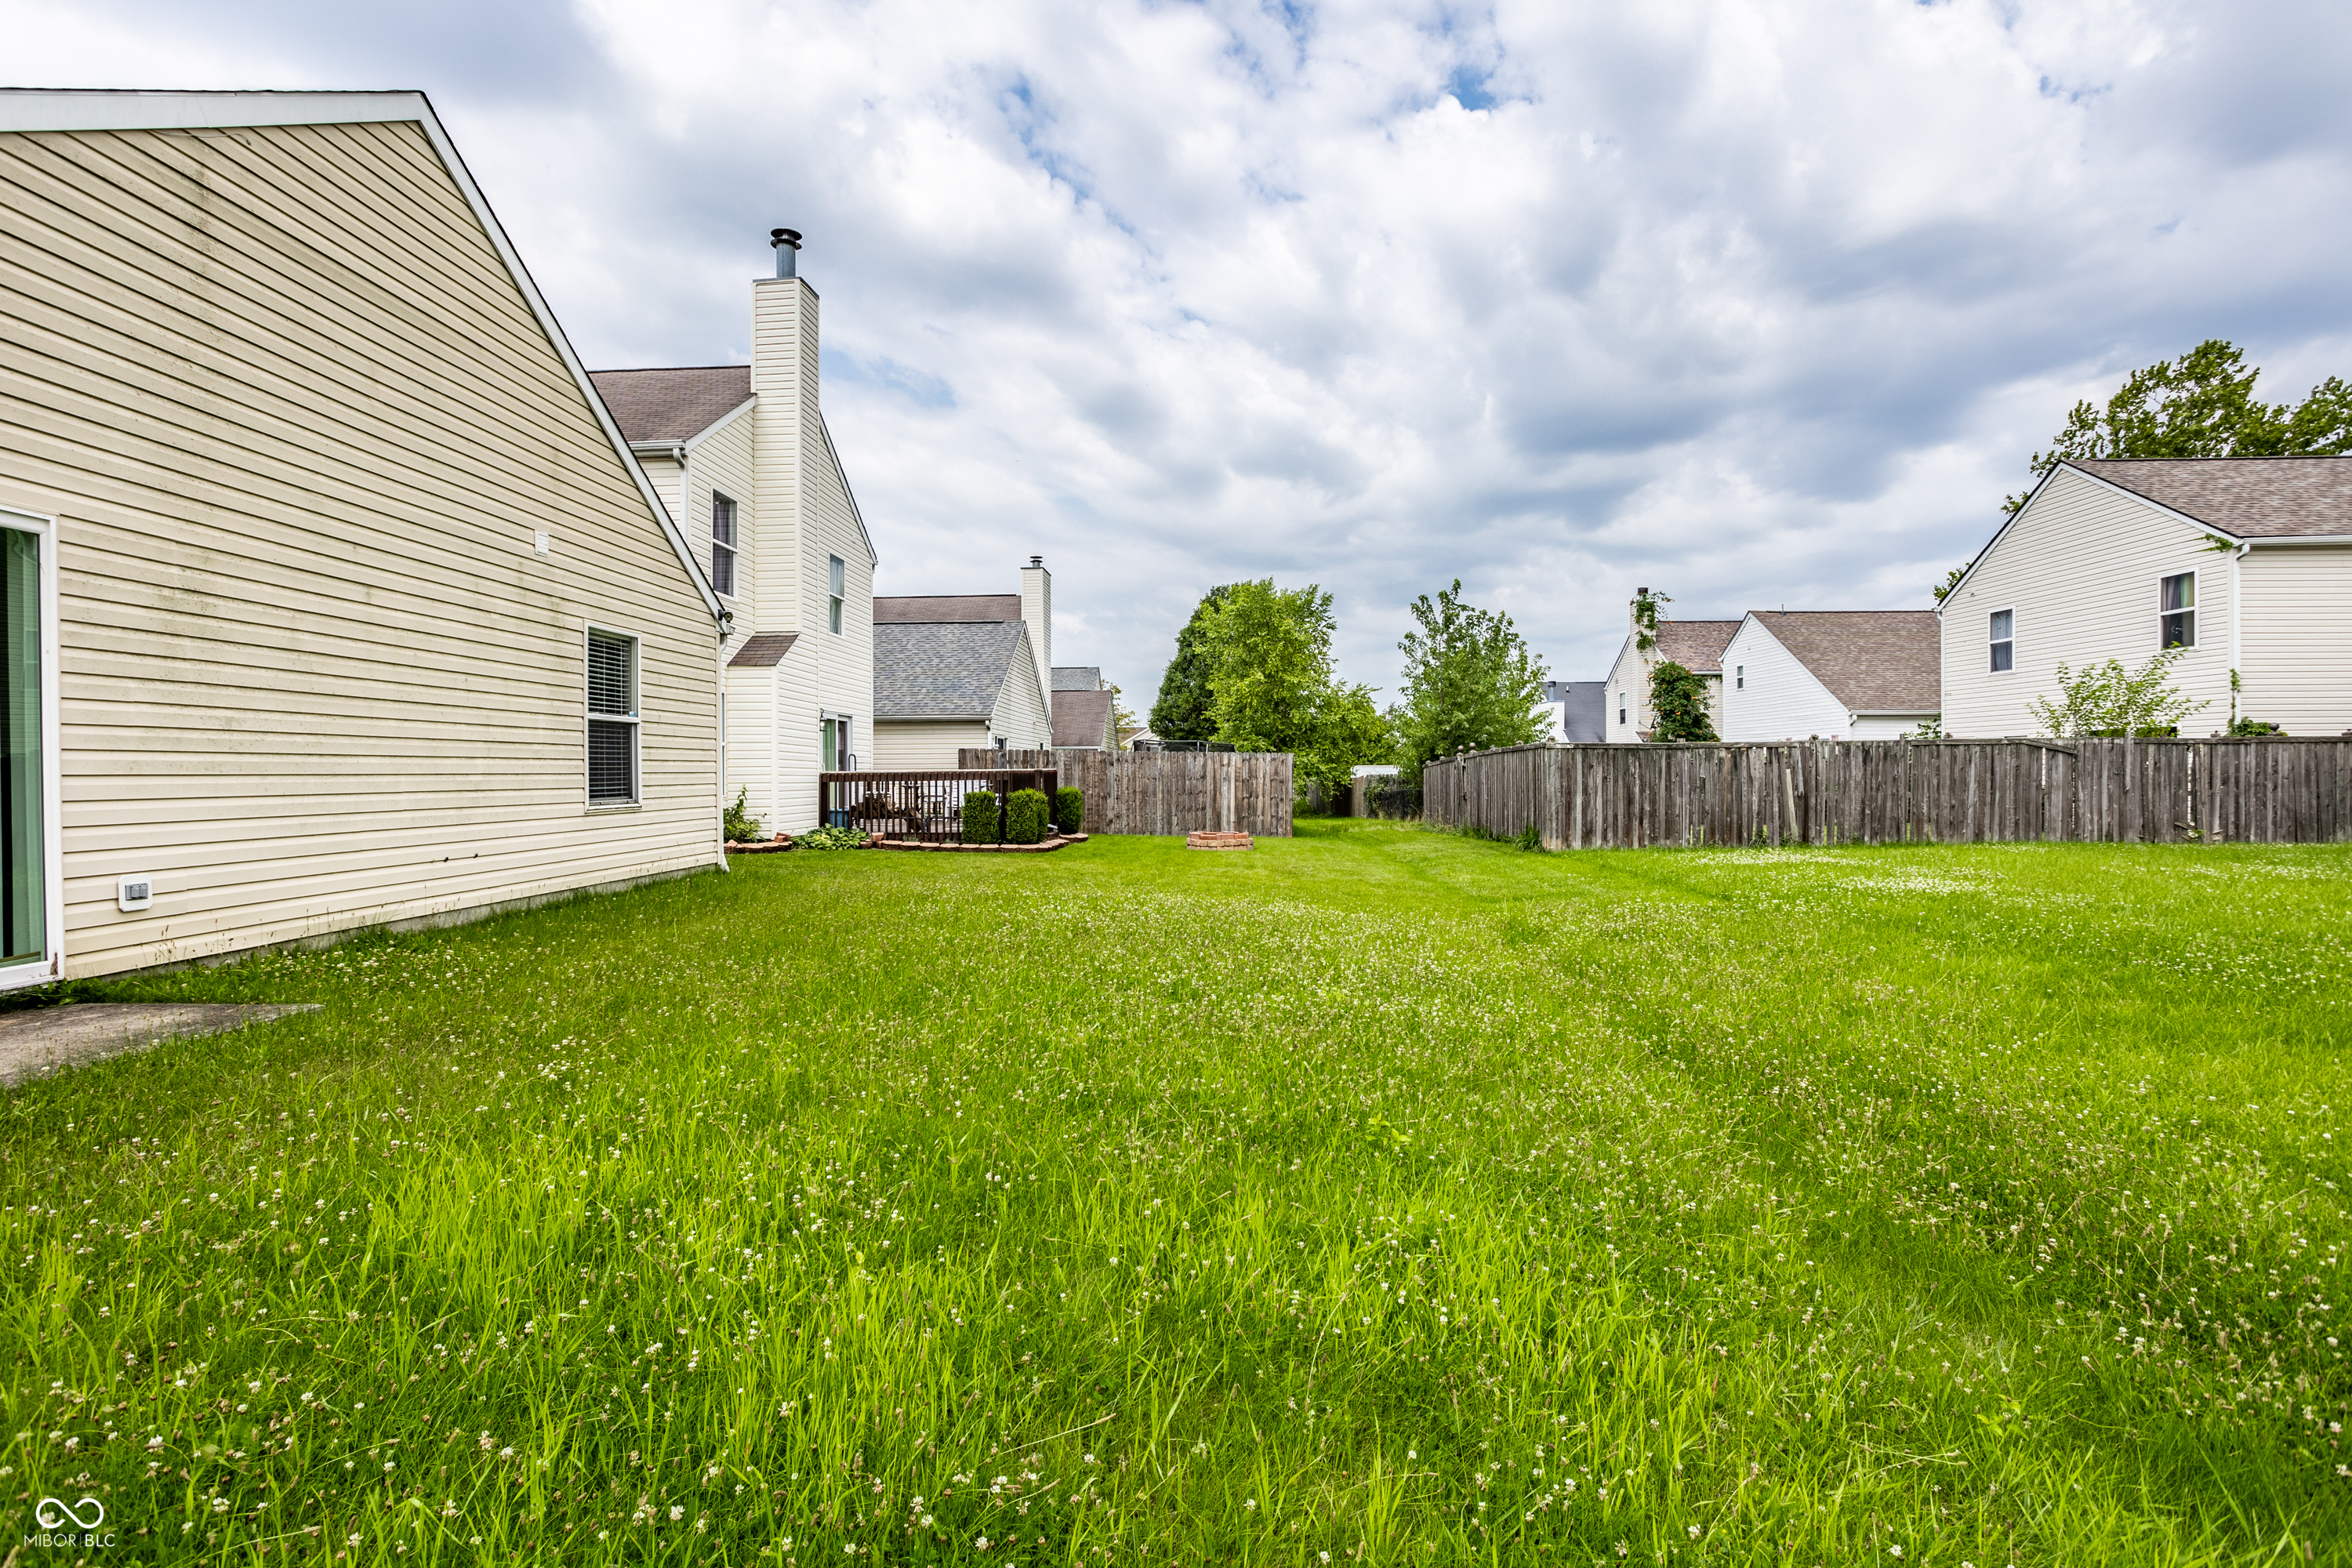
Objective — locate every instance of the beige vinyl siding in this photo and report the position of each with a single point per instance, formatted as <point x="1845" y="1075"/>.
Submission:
<point x="1020" y="714"/>
<point x="2295" y="650"/>
<point x="923" y="745"/>
<point x="664" y="476"/>
<point x="751" y="742"/>
<point x="799" y="754"/>
<point x="846" y="660"/>
<point x="2080" y="566"/>
<point x="721" y="462"/>
<point x="1627" y="676"/>
<point x="299" y="425"/>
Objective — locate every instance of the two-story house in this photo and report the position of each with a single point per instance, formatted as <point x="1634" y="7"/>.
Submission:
<point x="1840" y="675"/>
<point x="1696" y="645"/>
<point x="742" y="457"/>
<point x="2244" y="564"/>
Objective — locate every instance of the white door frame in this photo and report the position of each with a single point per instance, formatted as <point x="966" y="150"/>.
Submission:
<point x="50" y="965"/>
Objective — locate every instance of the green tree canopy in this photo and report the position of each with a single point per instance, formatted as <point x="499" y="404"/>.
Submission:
<point x="1270" y="671"/>
<point x="1470" y="683"/>
<point x="1184" y="709"/>
<point x="2199" y="406"/>
<point x="1678" y="699"/>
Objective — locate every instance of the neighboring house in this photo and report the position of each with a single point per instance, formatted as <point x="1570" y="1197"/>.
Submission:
<point x="329" y="596"/>
<point x="1575" y="710"/>
<point x="1696" y="645"/>
<point x="742" y="457"/>
<point x="952" y="671"/>
<point x="1840" y="675"/>
<point x="2243" y="564"/>
<point x="1084" y="709"/>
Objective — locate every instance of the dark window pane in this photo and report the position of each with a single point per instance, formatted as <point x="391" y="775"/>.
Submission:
<point x="608" y="674"/>
<point x="24" y="889"/>
<point x="611" y="762"/>
<point x="2001" y="652"/>
<point x="2004" y="625"/>
<point x="722" y="520"/>
<point x="723" y="569"/>
<point x="2180" y="629"/>
<point x="2181" y="593"/>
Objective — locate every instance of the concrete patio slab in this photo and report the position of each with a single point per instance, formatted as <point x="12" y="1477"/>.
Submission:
<point x="38" y="1041"/>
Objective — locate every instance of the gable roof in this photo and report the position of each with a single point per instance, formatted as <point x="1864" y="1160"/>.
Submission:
<point x="764" y="650"/>
<point x="1873" y="661"/>
<point x="1584" y="707"/>
<point x="1082" y="718"/>
<point x="1696" y="645"/>
<point x="944" y="669"/>
<point x="1078" y="678"/>
<point x="674" y="404"/>
<point x="84" y="108"/>
<point x="2246" y="497"/>
<point x="937" y="608"/>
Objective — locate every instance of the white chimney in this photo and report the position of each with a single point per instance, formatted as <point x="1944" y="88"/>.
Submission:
<point x="1037" y="615"/>
<point x="792" y="590"/>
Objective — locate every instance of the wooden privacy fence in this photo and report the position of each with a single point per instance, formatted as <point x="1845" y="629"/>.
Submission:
<point x="1893" y="792"/>
<point x="1166" y="792"/>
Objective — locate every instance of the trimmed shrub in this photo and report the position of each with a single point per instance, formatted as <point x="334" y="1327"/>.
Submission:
<point x="1069" y="809"/>
<point x="1026" y="817"/>
<point x="983" y="820"/>
<point x="831" y="839"/>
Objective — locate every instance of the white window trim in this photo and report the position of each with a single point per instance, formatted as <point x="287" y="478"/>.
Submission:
<point x="635" y="720"/>
<point x="734" y="551"/>
<point x="50" y="965"/>
<point x="2196" y="603"/>
<point x="837" y="614"/>
<point x="2012" y="639"/>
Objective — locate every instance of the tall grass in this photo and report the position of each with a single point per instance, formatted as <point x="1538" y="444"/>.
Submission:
<point x="1380" y="1194"/>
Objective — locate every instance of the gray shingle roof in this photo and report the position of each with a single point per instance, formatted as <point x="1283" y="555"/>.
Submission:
<point x="1873" y="661"/>
<point x="944" y="669"/>
<point x="764" y="652"/>
<point x="671" y="405"/>
<point x="1585" y="714"/>
<point x="1078" y="678"/>
<point x="2249" y="497"/>
<point x="938" y="608"/>
<point x="1082" y="718"/>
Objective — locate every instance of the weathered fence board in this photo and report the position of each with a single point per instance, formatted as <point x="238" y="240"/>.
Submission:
<point x="1166" y="792"/>
<point x="2269" y="791"/>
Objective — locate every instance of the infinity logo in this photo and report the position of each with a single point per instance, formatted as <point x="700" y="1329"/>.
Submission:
<point x="53" y="1514"/>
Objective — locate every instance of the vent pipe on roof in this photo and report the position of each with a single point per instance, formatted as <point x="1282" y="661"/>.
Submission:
<point x="787" y="244"/>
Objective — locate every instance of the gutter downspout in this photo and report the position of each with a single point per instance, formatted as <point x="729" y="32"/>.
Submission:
<point x="2237" y="624"/>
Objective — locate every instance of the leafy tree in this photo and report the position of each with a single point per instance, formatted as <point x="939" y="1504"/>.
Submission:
<point x="1470" y="683"/>
<point x="1270" y="669"/>
<point x="1678" y="705"/>
<point x="1185" y="708"/>
<point x="1943" y="590"/>
<point x="2201" y="405"/>
<point x="2105" y="699"/>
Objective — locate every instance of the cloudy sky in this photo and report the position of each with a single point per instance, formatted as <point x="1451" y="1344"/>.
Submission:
<point x="1756" y="303"/>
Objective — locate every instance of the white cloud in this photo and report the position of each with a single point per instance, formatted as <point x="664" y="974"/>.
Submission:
<point x="1755" y="302"/>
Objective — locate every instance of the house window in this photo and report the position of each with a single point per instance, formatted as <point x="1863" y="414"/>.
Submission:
<point x="2178" y="601"/>
<point x="1620" y="708"/>
<point x="722" y="543"/>
<point x="1739" y="678"/>
<point x="612" y="718"/>
<point x="836" y="576"/>
<point x="833" y="736"/>
<point x="23" y="789"/>
<point x="2004" y="639"/>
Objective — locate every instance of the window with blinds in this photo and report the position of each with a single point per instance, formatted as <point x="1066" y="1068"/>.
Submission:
<point x="612" y="718"/>
<point x="722" y="543"/>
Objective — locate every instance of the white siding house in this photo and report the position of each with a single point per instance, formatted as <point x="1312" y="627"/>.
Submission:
<point x="1839" y="675"/>
<point x="952" y="671"/>
<point x="2245" y="563"/>
<point x="1696" y="645"/>
<point x="330" y="595"/>
<point x="744" y="455"/>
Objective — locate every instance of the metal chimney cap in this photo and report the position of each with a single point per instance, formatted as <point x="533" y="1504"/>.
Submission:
<point x="782" y="237"/>
<point x="1037" y="560"/>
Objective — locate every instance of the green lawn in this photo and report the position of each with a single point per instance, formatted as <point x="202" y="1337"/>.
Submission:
<point x="1379" y="1194"/>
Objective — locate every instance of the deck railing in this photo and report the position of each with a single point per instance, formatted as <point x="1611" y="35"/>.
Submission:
<point x="922" y="806"/>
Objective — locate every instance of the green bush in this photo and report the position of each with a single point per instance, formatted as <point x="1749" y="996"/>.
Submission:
<point x="831" y="839"/>
<point x="1069" y="809"/>
<point x="1024" y="817"/>
<point x="2253" y="727"/>
<point x="742" y="826"/>
<point x="983" y="821"/>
